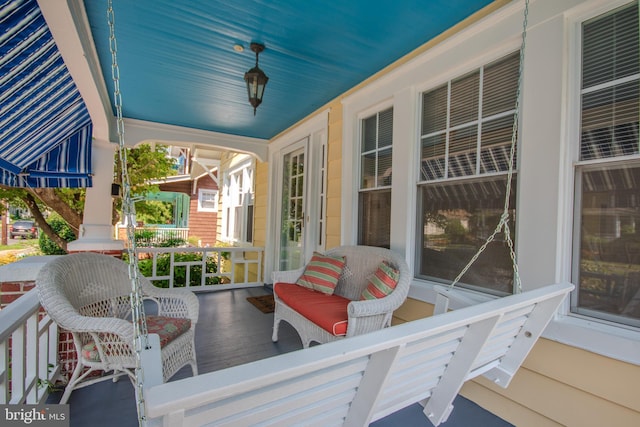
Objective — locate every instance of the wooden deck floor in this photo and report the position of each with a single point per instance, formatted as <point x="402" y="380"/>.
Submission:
<point x="232" y="332"/>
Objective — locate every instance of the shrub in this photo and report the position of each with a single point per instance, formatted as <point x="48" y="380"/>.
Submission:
<point x="148" y="238"/>
<point x="455" y="231"/>
<point x="180" y="272"/>
<point x="171" y="242"/>
<point x="193" y="241"/>
<point x="60" y="226"/>
<point x="144" y="238"/>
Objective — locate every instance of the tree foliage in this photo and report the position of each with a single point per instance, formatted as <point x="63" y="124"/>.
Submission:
<point x="145" y="163"/>
<point x="62" y="229"/>
<point x="154" y="212"/>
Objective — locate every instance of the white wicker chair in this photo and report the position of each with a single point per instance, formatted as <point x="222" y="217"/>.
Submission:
<point x="88" y="295"/>
<point x="364" y="316"/>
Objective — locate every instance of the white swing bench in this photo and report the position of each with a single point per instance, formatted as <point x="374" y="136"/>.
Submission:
<point x="356" y="381"/>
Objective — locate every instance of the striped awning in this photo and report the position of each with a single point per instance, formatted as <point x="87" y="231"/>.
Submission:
<point x="45" y="127"/>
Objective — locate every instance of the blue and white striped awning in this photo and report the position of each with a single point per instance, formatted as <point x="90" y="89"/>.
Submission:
<point x="45" y="127"/>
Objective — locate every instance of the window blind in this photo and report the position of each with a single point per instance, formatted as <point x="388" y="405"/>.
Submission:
<point x="376" y="152"/>
<point x="467" y="123"/>
<point x="610" y="85"/>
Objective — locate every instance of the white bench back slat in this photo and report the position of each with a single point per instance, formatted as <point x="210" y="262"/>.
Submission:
<point x="288" y="396"/>
<point x="367" y="377"/>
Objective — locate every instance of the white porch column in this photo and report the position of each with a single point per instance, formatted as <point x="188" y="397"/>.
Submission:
<point x="96" y="231"/>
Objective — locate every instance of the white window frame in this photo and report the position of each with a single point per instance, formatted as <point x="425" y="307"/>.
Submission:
<point x="479" y="122"/>
<point x="204" y="195"/>
<point x="610" y="339"/>
<point x="233" y="198"/>
<point x="377" y="186"/>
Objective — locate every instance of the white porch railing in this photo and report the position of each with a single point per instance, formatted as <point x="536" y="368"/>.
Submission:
<point x="28" y="351"/>
<point x="153" y="236"/>
<point x="202" y="269"/>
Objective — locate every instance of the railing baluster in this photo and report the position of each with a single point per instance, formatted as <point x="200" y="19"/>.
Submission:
<point x="33" y="347"/>
<point x="32" y="371"/>
<point x="4" y="372"/>
<point x="17" y="364"/>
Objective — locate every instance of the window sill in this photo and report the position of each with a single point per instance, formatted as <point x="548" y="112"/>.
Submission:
<point x="618" y="343"/>
<point x="607" y="340"/>
<point x="423" y="290"/>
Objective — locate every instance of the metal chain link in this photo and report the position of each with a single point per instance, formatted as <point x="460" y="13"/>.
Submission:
<point x="504" y="218"/>
<point x="128" y="207"/>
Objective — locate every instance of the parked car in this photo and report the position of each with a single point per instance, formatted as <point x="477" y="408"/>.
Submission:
<point x="23" y="229"/>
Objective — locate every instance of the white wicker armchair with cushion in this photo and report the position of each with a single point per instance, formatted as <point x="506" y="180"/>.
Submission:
<point x="88" y="294"/>
<point x="360" y="315"/>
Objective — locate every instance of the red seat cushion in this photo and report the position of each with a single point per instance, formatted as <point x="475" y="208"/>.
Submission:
<point x="327" y="311"/>
<point x="168" y="328"/>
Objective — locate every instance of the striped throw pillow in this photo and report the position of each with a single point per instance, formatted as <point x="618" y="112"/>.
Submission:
<point x="322" y="273"/>
<point x="382" y="283"/>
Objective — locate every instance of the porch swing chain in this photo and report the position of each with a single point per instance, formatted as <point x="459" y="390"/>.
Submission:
<point x="504" y="218"/>
<point x="140" y="333"/>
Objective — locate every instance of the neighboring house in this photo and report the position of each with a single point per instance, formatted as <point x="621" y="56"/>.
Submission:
<point x="441" y="120"/>
<point x="202" y="193"/>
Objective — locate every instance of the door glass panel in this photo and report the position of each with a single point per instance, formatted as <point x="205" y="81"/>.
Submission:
<point x="292" y="217"/>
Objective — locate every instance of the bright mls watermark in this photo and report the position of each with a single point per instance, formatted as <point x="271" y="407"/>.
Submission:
<point x="34" y="415"/>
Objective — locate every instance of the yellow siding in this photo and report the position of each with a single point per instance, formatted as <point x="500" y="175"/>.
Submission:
<point x="334" y="174"/>
<point x="260" y="204"/>
<point x="557" y="385"/>
<point x="225" y="159"/>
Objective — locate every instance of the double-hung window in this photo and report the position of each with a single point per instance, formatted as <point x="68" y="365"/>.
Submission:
<point x="238" y="205"/>
<point x="466" y="133"/>
<point x="374" y="197"/>
<point x="606" y="265"/>
<point x="207" y="200"/>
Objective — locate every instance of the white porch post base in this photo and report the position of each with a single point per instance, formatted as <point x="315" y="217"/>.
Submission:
<point x="96" y="238"/>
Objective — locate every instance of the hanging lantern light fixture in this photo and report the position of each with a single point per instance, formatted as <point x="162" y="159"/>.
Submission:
<point x="256" y="80"/>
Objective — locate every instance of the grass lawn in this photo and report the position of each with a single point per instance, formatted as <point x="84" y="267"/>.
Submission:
<point x="20" y="244"/>
<point x="22" y="248"/>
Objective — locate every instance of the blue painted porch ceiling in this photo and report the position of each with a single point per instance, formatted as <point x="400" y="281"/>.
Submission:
<point x="178" y="66"/>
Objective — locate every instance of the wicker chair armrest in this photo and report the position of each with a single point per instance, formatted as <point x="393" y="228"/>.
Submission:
<point x="287" y="276"/>
<point x="369" y="307"/>
<point x="174" y="302"/>
<point x="387" y="304"/>
<point x="99" y="325"/>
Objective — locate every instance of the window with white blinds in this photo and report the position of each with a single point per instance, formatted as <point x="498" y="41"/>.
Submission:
<point x="607" y="226"/>
<point x="376" y="150"/>
<point x="374" y="198"/>
<point x="466" y="132"/>
<point x="467" y="122"/>
<point x="610" y="84"/>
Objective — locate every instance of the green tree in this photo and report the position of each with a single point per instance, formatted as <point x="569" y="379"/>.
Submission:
<point x="145" y="163"/>
<point x="62" y="229"/>
<point x="154" y="212"/>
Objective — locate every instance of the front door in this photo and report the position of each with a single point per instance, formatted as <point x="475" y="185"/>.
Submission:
<point x="292" y="208"/>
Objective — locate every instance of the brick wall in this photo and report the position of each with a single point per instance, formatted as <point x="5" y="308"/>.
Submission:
<point x="11" y="291"/>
